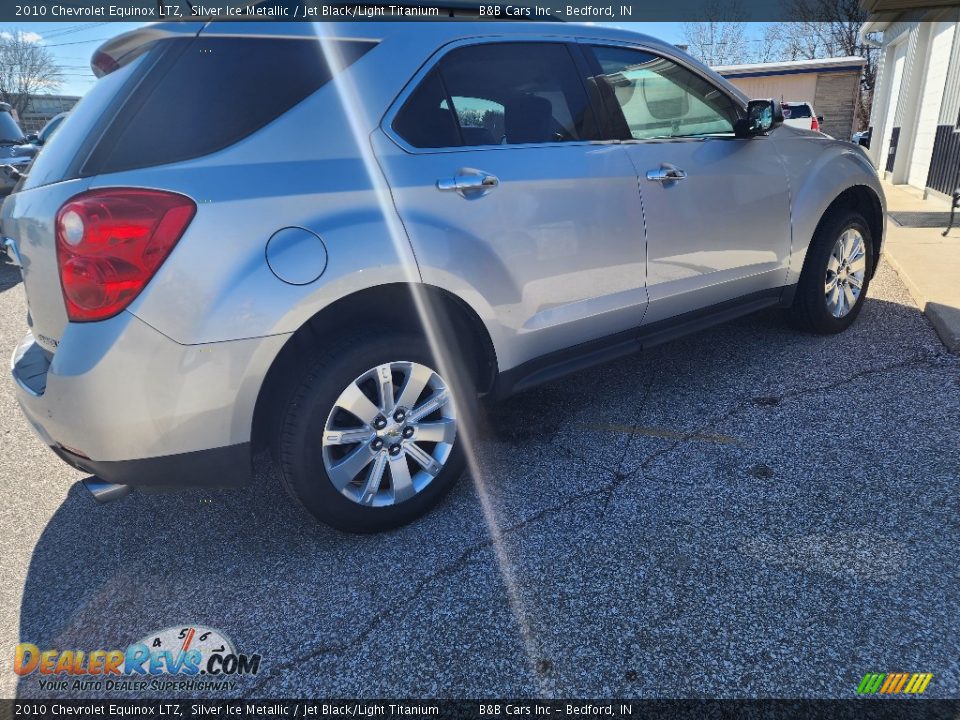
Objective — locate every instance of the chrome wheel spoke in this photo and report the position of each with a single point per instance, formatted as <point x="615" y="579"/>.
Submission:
<point x="356" y="403"/>
<point x="855" y="281"/>
<point x="439" y="431"/>
<point x="347" y="437"/>
<point x="374" y="478"/>
<point x="833" y="264"/>
<point x="346" y="470"/>
<point x="430" y="406"/>
<point x="858" y="265"/>
<point x="847" y="246"/>
<point x="833" y="299"/>
<point x="849" y="297"/>
<point x="856" y="247"/>
<point x="400" y="479"/>
<point x="385" y="386"/>
<point x="422" y="458"/>
<point x="416" y="380"/>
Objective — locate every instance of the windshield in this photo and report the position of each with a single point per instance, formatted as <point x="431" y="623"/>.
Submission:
<point x="796" y="111"/>
<point x="10" y="132"/>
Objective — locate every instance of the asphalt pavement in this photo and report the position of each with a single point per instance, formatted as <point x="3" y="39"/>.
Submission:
<point x="747" y="512"/>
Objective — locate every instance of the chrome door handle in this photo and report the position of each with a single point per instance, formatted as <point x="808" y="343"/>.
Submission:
<point x="469" y="182"/>
<point x="666" y="173"/>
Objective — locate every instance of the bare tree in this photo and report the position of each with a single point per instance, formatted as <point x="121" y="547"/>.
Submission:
<point x="772" y="44"/>
<point x="831" y="28"/>
<point x="26" y="68"/>
<point x="721" y="39"/>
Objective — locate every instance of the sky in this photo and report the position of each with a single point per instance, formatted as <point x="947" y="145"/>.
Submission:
<point x="72" y="44"/>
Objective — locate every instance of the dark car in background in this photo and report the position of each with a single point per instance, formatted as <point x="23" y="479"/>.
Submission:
<point x="43" y="137"/>
<point x="20" y="154"/>
<point x="11" y="142"/>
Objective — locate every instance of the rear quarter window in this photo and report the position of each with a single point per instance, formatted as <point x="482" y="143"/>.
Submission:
<point x="208" y="93"/>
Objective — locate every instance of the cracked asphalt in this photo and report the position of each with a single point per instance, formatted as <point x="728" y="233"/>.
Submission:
<point x="748" y="512"/>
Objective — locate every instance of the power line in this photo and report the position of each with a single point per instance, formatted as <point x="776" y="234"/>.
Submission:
<point x="78" y="42"/>
<point x="71" y="30"/>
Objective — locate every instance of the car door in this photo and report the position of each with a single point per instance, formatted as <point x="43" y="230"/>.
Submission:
<point x="716" y="207"/>
<point x="510" y="201"/>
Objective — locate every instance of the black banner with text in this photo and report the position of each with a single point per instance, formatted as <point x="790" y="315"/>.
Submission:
<point x="861" y="709"/>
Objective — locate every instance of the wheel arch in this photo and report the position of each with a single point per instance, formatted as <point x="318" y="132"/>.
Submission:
<point x="394" y="304"/>
<point x="865" y="200"/>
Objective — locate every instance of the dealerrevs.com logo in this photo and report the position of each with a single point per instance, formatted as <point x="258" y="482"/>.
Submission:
<point x="199" y="658"/>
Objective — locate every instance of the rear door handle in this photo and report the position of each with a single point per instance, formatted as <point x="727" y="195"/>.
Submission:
<point x="469" y="183"/>
<point x="666" y="173"/>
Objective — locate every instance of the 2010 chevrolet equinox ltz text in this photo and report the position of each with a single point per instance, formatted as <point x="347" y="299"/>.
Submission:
<point x="332" y="242"/>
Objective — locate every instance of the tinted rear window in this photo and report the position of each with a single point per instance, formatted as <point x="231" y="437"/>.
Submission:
<point x="207" y="93"/>
<point x="796" y="111"/>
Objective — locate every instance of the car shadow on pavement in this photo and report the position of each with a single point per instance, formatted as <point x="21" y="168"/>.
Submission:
<point x="9" y="274"/>
<point x="689" y="418"/>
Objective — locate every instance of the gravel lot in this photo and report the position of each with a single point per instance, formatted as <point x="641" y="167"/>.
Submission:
<point x="747" y="512"/>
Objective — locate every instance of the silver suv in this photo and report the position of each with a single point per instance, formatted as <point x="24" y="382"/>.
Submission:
<point x="250" y="236"/>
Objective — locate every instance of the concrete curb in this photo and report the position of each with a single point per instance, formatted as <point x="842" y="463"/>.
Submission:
<point x="945" y="319"/>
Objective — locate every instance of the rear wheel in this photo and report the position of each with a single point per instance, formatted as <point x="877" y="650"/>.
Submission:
<point x="369" y="440"/>
<point x="833" y="285"/>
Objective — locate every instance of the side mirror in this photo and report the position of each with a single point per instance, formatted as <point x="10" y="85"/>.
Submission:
<point x="762" y="117"/>
<point x="820" y="119"/>
<point x="32" y="138"/>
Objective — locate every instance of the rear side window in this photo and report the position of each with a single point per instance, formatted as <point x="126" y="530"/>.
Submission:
<point x="207" y="93"/>
<point x="426" y="120"/>
<point x="499" y="94"/>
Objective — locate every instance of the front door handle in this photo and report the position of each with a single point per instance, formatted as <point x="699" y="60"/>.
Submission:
<point x="469" y="183"/>
<point x="666" y="173"/>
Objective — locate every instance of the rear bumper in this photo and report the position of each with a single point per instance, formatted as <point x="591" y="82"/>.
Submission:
<point x="220" y="467"/>
<point x="122" y="401"/>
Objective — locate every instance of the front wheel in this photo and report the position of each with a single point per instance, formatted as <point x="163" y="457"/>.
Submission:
<point x="833" y="285"/>
<point x="370" y="439"/>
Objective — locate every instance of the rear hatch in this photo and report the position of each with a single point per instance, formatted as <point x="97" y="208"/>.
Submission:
<point x="58" y="174"/>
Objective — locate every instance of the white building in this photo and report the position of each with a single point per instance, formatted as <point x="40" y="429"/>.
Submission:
<point x="915" y="120"/>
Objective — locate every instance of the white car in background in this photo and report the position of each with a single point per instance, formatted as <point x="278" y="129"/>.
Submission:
<point x="801" y="115"/>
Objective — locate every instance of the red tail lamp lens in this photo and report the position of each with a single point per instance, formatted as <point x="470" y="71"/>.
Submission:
<point x="111" y="242"/>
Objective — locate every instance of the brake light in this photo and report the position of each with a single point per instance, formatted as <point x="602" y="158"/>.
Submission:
<point x="814" y="123"/>
<point x="111" y="242"/>
<point x="103" y="64"/>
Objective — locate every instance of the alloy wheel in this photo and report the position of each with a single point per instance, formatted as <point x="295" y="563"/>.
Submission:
<point x="846" y="269"/>
<point x="389" y="434"/>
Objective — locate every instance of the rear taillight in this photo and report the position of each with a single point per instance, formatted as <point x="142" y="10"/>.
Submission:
<point x="814" y="123"/>
<point x="110" y="243"/>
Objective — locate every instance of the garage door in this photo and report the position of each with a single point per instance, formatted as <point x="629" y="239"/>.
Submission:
<point x="899" y="56"/>
<point x="941" y="41"/>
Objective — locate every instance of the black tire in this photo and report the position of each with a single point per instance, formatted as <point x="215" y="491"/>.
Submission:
<point x="298" y="444"/>
<point x="809" y="310"/>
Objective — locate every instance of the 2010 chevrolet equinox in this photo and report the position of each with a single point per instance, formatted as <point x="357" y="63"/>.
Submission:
<point x="333" y="241"/>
